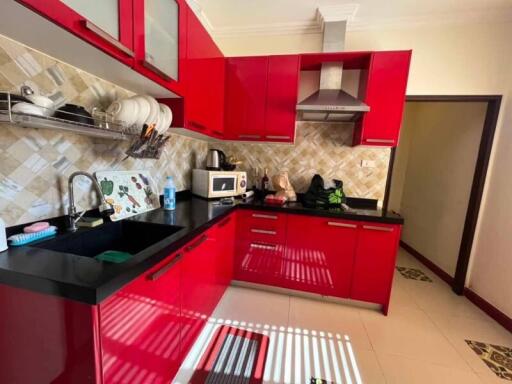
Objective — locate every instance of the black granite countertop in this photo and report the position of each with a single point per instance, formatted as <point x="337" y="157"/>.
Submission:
<point x="90" y="281"/>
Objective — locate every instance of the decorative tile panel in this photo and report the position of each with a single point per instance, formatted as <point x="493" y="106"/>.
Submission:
<point x="497" y="357"/>
<point x="413" y="274"/>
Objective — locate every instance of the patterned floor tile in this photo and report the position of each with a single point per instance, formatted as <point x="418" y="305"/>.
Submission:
<point x="413" y="274"/>
<point x="498" y="358"/>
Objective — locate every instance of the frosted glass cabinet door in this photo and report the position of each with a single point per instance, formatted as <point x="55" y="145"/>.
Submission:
<point x="161" y="36"/>
<point x="103" y="13"/>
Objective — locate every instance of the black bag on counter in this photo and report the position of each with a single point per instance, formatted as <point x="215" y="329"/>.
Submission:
<point x="318" y="196"/>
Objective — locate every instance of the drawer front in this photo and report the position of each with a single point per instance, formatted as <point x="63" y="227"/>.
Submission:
<point x="262" y="226"/>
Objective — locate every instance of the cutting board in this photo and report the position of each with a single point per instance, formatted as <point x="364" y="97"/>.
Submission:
<point x="130" y="192"/>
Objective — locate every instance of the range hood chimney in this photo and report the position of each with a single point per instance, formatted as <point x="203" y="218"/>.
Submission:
<point x="330" y="102"/>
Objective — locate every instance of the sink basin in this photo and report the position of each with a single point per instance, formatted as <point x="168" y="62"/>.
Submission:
<point x="126" y="236"/>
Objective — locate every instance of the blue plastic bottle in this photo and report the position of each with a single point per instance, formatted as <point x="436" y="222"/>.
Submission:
<point x="169" y="195"/>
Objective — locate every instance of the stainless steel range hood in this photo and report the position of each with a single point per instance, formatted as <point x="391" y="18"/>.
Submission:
<point x="330" y="102"/>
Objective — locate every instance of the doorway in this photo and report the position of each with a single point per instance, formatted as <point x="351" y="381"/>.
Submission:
<point x="462" y="133"/>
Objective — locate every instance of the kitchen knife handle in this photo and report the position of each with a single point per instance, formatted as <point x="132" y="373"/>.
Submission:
<point x="162" y="271"/>
<point x="197" y="243"/>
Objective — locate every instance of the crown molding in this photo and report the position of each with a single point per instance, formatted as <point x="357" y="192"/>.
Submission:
<point x="333" y="13"/>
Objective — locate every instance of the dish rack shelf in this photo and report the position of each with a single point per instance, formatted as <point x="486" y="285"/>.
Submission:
<point x="116" y="130"/>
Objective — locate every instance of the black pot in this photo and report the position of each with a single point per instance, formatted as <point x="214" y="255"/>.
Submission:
<point x="75" y="113"/>
<point x="15" y="99"/>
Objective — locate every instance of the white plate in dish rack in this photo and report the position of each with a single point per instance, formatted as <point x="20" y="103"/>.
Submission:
<point x="130" y="192"/>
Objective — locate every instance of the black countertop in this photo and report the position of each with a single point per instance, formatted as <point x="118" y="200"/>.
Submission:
<point x="90" y="281"/>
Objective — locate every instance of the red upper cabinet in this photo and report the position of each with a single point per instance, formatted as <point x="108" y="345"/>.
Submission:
<point x="106" y="24"/>
<point x="384" y="90"/>
<point x="159" y="38"/>
<point x="282" y="93"/>
<point x="375" y="263"/>
<point x="246" y="93"/>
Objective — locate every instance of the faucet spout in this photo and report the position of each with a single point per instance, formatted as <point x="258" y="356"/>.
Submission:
<point x="73" y="215"/>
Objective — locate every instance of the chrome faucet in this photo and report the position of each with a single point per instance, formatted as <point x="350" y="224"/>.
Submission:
<point x="105" y="208"/>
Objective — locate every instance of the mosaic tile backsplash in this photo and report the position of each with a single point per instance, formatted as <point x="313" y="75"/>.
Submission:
<point x="322" y="148"/>
<point x="35" y="164"/>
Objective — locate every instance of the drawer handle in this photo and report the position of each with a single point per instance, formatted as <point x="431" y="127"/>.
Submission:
<point x="165" y="268"/>
<point x="344" y="225"/>
<point x="193" y="246"/>
<point x="158" y="71"/>
<point x="225" y="222"/>
<point x="107" y="37"/>
<point x="261" y="216"/>
<point x="376" y="228"/>
<point x="197" y="125"/>
<point x="249" y="136"/>
<point x="272" y="137"/>
<point x="263" y="246"/>
<point x="383" y="141"/>
<point x="264" y="231"/>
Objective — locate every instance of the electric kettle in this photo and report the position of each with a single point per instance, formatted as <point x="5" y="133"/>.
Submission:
<point x="215" y="159"/>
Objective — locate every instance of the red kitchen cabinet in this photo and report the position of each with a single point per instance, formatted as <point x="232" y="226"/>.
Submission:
<point x="375" y="263"/>
<point x="282" y="94"/>
<point x="246" y="93"/>
<point x="319" y="259"/>
<point x="107" y="25"/>
<point x="384" y="90"/>
<point x="225" y="235"/>
<point x="140" y="327"/>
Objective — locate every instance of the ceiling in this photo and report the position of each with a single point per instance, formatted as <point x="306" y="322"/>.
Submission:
<point x="234" y="17"/>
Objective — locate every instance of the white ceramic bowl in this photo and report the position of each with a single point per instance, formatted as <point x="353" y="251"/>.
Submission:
<point x="125" y="110"/>
<point x="154" y="110"/>
<point x="41" y="101"/>
<point x="143" y="110"/>
<point x="166" y="114"/>
<point x="30" y="109"/>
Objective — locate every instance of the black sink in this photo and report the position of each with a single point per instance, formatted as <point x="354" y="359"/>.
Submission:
<point x="126" y="236"/>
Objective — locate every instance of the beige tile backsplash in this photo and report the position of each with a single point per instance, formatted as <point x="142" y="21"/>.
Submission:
<point x="35" y="164"/>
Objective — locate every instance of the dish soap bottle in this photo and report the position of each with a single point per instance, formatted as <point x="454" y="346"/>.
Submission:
<point x="3" y="236"/>
<point x="169" y="195"/>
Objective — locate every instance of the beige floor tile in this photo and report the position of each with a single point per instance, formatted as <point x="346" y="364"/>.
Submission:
<point x="255" y="307"/>
<point x="409" y="332"/>
<point x="489" y="377"/>
<point x="339" y="319"/>
<point x="457" y="330"/>
<point x="404" y="370"/>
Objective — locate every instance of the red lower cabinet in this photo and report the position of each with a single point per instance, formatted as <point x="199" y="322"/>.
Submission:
<point x="375" y="263"/>
<point x="140" y="327"/>
<point x="319" y="255"/>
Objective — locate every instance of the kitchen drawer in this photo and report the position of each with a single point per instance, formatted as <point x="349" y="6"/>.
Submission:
<point x="262" y="226"/>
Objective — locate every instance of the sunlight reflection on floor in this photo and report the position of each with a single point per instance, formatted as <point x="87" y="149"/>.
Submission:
<point x="294" y="354"/>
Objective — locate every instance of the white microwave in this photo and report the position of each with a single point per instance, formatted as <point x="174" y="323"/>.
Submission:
<point x="215" y="184"/>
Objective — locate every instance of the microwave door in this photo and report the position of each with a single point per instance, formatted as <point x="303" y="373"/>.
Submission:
<point x="223" y="185"/>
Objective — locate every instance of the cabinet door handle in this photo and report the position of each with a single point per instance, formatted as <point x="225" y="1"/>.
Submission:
<point x="107" y="37"/>
<point x="344" y="225"/>
<point x="156" y="275"/>
<point x="218" y="133"/>
<point x="249" y="136"/>
<point x="197" y="125"/>
<point x="262" y="216"/>
<point x="155" y="69"/>
<point x="376" y="228"/>
<point x="382" y="141"/>
<point x="273" y="137"/>
<point x="196" y="244"/>
<point x="265" y="232"/>
<point x="225" y="222"/>
<point x="263" y="246"/>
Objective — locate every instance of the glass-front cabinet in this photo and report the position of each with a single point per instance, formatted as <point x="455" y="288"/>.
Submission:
<point x="102" y="13"/>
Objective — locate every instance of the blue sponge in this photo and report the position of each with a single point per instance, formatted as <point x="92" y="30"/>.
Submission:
<point x="27" y="238"/>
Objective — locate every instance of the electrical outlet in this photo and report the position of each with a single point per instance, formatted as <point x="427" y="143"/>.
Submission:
<point x="367" y="164"/>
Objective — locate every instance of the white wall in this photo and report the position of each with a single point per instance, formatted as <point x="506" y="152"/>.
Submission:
<point x="443" y="142"/>
<point x="447" y="59"/>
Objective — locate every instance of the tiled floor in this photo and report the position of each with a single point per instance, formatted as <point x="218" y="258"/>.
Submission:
<point x="421" y="341"/>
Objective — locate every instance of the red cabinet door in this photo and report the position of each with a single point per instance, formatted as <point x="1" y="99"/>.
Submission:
<point x="113" y="35"/>
<point x="246" y="92"/>
<point x="226" y="232"/>
<point x="282" y="93"/>
<point x="319" y="259"/>
<point x="375" y="263"/>
<point x="199" y="287"/>
<point x="386" y="85"/>
<point x="140" y="327"/>
<point x="204" y="81"/>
